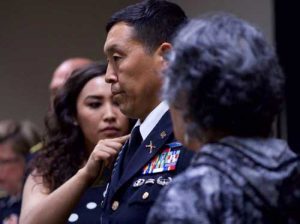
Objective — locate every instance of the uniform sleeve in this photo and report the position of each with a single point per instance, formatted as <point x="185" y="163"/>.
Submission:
<point x="207" y="198"/>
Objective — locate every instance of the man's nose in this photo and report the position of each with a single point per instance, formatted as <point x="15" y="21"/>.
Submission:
<point x="111" y="75"/>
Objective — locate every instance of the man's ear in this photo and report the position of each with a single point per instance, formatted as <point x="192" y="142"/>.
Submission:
<point x="161" y="52"/>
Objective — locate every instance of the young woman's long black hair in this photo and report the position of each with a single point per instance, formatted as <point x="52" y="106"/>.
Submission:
<point x="63" y="151"/>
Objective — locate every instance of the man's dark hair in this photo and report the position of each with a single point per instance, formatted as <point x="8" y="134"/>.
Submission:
<point x="154" y="21"/>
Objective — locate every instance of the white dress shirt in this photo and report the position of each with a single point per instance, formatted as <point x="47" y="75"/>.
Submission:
<point x="152" y="119"/>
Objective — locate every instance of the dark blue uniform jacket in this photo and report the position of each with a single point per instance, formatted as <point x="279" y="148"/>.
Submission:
<point x="158" y="159"/>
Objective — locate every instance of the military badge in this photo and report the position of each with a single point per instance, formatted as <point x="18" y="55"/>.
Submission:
<point x="151" y="147"/>
<point x="163" y="181"/>
<point x="174" y="144"/>
<point x="165" y="161"/>
<point x="163" y="134"/>
<point x="150" y="181"/>
<point x="138" y="183"/>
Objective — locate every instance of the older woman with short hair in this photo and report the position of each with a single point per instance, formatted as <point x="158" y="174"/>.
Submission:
<point x="225" y="88"/>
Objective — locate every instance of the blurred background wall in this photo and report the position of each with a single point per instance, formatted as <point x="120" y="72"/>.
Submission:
<point x="36" y="35"/>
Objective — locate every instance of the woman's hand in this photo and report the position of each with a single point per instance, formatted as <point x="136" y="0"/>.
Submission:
<point x="103" y="155"/>
<point x="12" y="219"/>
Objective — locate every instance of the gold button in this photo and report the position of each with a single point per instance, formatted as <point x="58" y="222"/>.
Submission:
<point x="145" y="195"/>
<point x="115" y="205"/>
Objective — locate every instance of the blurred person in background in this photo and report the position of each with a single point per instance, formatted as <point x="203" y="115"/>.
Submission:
<point x="84" y="132"/>
<point x="16" y="139"/>
<point x="225" y="87"/>
<point x="59" y="77"/>
<point x="63" y="72"/>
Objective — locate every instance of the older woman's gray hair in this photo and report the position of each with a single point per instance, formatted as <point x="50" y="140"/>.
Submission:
<point x="224" y="76"/>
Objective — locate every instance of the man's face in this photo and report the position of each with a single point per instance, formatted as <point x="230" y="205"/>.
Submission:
<point x="97" y="115"/>
<point x="134" y="73"/>
<point x="12" y="168"/>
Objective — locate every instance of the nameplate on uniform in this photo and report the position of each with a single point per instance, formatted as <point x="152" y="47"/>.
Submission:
<point x="165" y="161"/>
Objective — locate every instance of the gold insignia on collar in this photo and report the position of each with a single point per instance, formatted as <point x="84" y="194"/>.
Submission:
<point x="163" y="134"/>
<point x="151" y="147"/>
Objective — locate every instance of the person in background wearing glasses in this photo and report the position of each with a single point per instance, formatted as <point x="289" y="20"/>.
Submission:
<point x="16" y="139"/>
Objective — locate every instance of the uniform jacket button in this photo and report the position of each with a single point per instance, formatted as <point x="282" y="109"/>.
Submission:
<point x="145" y="195"/>
<point x="115" y="205"/>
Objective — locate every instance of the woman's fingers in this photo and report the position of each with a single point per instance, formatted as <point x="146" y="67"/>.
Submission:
<point x="108" y="148"/>
<point x="122" y="139"/>
<point x="105" y="151"/>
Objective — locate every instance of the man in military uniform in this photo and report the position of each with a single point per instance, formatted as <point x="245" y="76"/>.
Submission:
<point x="138" y="38"/>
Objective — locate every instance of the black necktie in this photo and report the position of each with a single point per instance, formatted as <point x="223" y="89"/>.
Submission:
<point x="134" y="142"/>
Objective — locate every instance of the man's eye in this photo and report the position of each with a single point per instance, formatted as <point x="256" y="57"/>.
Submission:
<point x="116" y="58"/>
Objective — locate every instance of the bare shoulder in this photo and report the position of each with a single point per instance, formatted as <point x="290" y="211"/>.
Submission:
<point x="34" y="184"/>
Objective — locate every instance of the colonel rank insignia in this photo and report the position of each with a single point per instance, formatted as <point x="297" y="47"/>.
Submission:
<point x="165" y="161"/>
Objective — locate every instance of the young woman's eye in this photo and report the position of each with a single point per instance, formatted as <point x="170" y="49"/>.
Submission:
<point x="115" y="104"/>
<point x="94" y="105"/>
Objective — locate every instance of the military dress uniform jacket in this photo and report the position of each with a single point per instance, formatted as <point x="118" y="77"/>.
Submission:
<point x="158" y="159"/>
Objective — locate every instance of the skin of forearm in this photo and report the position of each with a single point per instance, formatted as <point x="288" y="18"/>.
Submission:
<point x="57" y="206"/>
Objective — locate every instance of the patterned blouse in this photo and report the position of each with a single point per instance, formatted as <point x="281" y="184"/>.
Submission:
<point x="235" y="180"/>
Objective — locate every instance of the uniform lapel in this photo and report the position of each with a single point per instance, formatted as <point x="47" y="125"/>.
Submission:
<point x="158" y="136"/>
<point x="117" y="169"/>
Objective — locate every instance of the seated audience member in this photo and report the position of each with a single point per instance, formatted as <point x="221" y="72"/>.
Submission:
<point x="2" y="193"/>
<point x="225" y="87"/>
<point x="59" y="188"/>
<point x="16" y="139"/>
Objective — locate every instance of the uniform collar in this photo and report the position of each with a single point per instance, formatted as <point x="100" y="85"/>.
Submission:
<point x="152" y="119"/>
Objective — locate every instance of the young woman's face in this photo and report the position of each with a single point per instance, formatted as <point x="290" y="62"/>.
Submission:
<point x="97" y="115"/>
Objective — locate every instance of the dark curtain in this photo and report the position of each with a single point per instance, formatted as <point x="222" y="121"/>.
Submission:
<point x="287" y="28"/>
